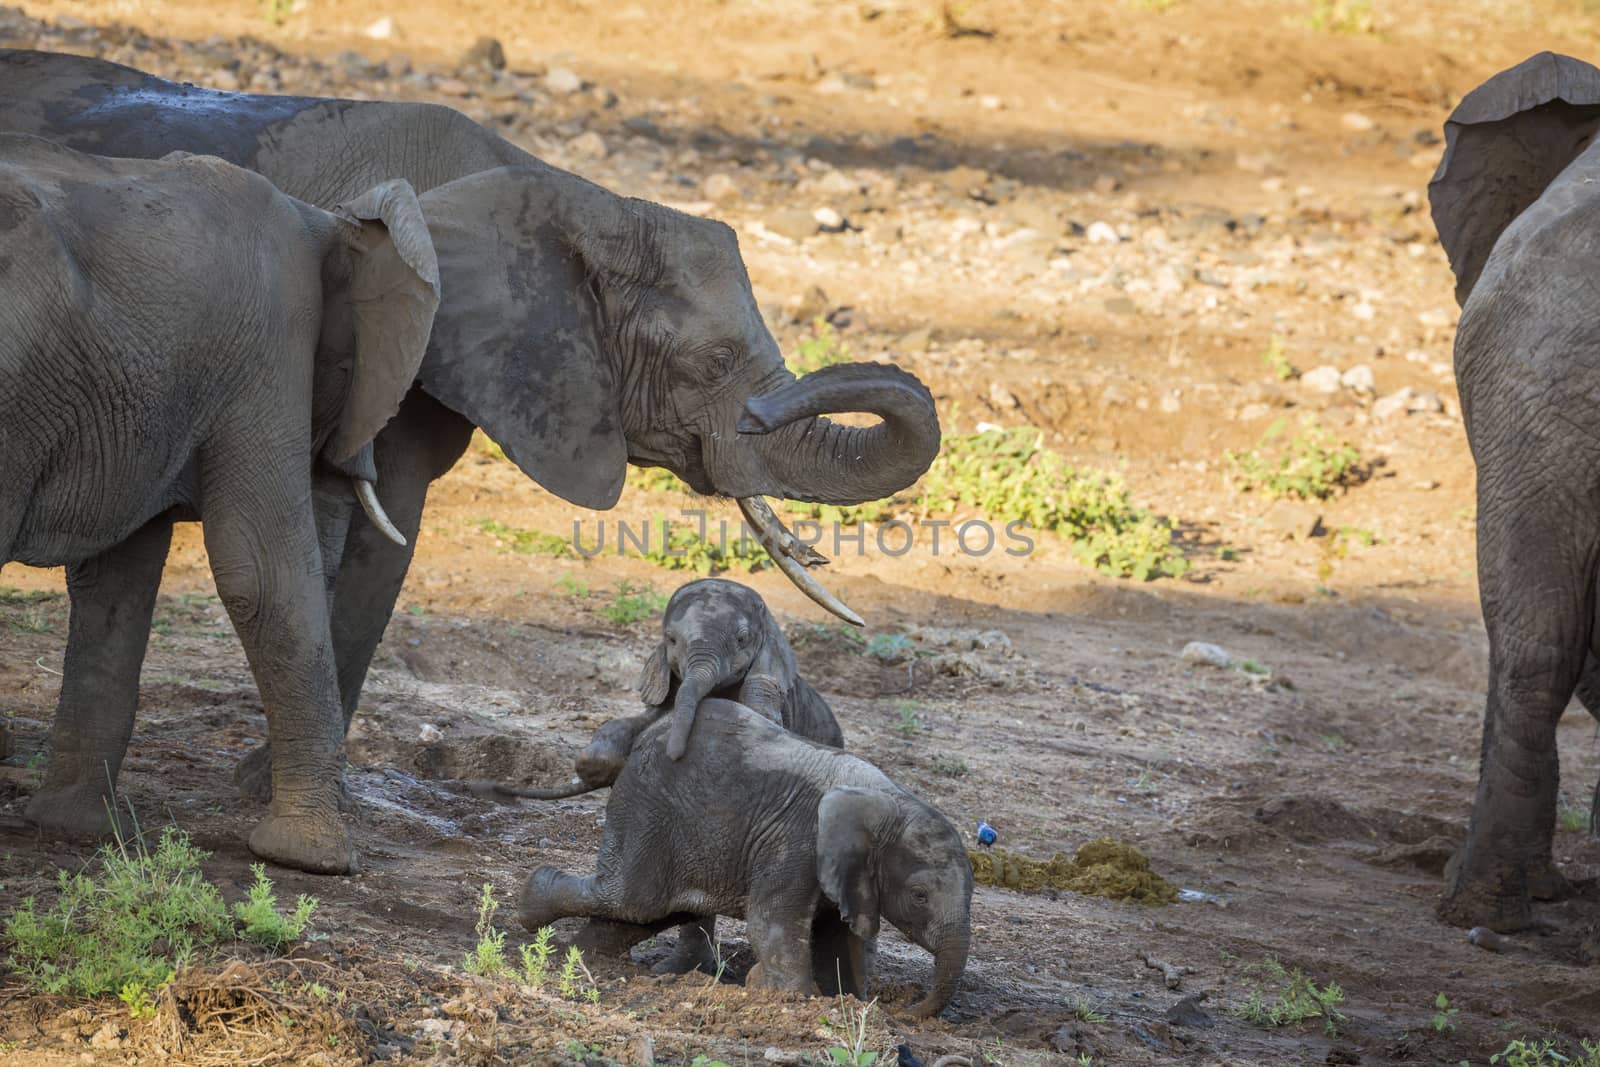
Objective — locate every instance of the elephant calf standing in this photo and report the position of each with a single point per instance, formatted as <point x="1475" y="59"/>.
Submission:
<point x="809" y="844"/>
<point x="180" y="338"/>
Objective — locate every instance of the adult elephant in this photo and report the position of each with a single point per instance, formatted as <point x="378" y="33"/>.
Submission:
<point x="1516" y="201"/>
<point x="579" y="329"/>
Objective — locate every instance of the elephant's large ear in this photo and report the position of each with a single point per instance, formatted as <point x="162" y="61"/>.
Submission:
<point x="519" y="345"/>
<point x="655" y="680"/>
<point x="1504" y="143"/>
<point x="393" y="292"/>
<point x="766" y="684"/>
<point x="849" y="821"/>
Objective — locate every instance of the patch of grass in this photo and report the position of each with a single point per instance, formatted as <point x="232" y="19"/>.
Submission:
<point x="536" y="958"/>
<point x="910" y="721"/>
<point x="828" y="634"/>
<point x="656" y="480"/>
<point x="572" y="586"/>
<point x="525" y="542"/>
<point x="631" y="604"/>
<point x="1310" y="465"/>
<point x="32" y="622"/>
<point x="1289" y="998"/>
<point x="823" y="348"/>
<point x="261" y="923"/>
<point x="950" y="766"/>
<point x="575" y="981"/>
<point x="488" y="957"/>
<point x="851" y="1033"/>
<point x="1342" y="16"/>
<point x="11" y="597"/>
<point x="1574" y="820"/>
<point x="890" y="648"/>
<point x="127" y="929"/>
<point x="1007" y="474"/>
<point x="682" y="548"/>
<point x="1544" y="1053"/>
<point x="1087" y="1012"/>
<point x="1444" y="1016"/>
<point x="1276" y="360"/>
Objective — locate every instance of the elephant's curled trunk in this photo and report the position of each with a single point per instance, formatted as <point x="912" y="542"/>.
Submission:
<point x="949" y="961"/>
<point x="698" y="682"/>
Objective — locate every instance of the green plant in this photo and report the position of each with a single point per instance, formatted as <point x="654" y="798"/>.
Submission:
<point x="129" y="928"/>
<point x="136" y="995"/>
<point x="259" y="919"/>
<point x="275" y="11"/>
<point x="488" y="957"/>
<point x="575" y="981"/>
<point x="909" y="721"/>
<point x="706" y="1061"/>
<point x="1087" y="1012"/>
<point x="1525" y="1053"/>
<point x="572" y="586"/>
<point x="1008" y="473"/>
<point x="1444" y="1016"/>
<point x="536" y="958"/>
<point x="681" y="548"/>
<point x="1342" y="16"/>
<point x="823" y="348"/>
<point x="891" y="648"/>
<point x="1293" y="998"/>
<point x="632" y="603"/>
<point x="526" y="542"/>
<point x="1276" y="360"/>
<point x="1310" y="465"/>
<point x="950" y="766"/>
<point x="655" y="480"/>
<point x="1574" y="820"/>
<point x="851" y="1031"/>
<point x="32" y="622"/>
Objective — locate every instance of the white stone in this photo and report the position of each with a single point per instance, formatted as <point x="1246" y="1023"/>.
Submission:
<point x="561" y="81"/>
<point x="1206" y="655"/>
<point x="381" y="30"/>
<point x="429" y="733"/>
<point x="1363" y="311"/>
<point x="1355" y="120"/>
<point x="828" y="219"/>
<point x="1398" y="403"/>
<point x="1324" y="379"/>
<point x="1359" y="379"/>
<point x="1102" y="233"/>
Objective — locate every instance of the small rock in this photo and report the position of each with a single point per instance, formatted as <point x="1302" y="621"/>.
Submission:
<point x="1324" y="379"/>
<point x="453" y="87"/>
<point x="1292" y="520"/>
<point x="1486" y="938"/>
<point x="1359" y="379"/>
<point x="107" y="1037"/>
<point x="353" y="64"/>
<point x="1363" y="311"/>
<point x="589" y="145"/>
<point x="1206" y="655"/>
<point x="1355" y="120"/>
<point x="1171" y="404"/>
<point x="837" y="183"/>
<point x="1121" y="305"/>
<point x="719" y="188"/>
<point x="794" y="223"/>
<point x="641" y="1051"/>
<point x="486" y="54"/>
<point x="1001" y="397"/>
<point x="828" y="219"/>
<point x="429" y="733"/>
<point x="1252" y="412"/>
<point x="1102" y="233"/>
<point x="381" y="30"/>
<point x="916" y="340"/>
<point x="1188" y="1012"/>
<point x="1426" y="401"/>
<point x="991" y="103"/>
<point x="1107" y="184"/>
<point x="1396" y="403"/>
<point x="561" y="81"/>
<point x="781" y="1057"/>
<point x="547" y="842"/>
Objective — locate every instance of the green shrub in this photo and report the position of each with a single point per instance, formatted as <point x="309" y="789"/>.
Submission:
<point x="526" y="542"/>
<point x="1277" y="362"/>
<point x="259" y="919"/>
<point x="681" y="548"/>
<point x="1342" y="16"/>
<point x="1292" y="998"/>
<point x="823" y="348"/>
<point x="656" y="480"/>
<point x="1310" y="465"/>
<point x="125" y="931"/>
<point x="488" y="957"/>
<point x="1525" y="1053"/>
<point x="632" y="604"/>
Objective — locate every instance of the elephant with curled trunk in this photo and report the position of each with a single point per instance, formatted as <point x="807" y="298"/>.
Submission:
<point x="580" y="330"/>
<point x="718" y="639"/>
<point x="810" y="845"/>
<point x="1516" y="201"/>
<point x="181" y="337"/>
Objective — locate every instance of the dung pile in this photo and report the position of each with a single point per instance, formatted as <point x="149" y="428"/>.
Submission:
<point x="1103" y="868"/>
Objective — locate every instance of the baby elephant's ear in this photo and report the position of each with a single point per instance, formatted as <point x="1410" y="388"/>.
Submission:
<point x="849" y="822"/>
<point x="655" y="680"/>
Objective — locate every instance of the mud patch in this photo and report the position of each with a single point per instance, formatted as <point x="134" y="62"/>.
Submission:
<point x="1104" y="868"/>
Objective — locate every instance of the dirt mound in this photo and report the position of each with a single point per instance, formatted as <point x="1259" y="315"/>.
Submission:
<point x="1103" y="868"/>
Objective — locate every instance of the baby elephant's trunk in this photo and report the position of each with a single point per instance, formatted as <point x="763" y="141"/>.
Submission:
<point x="698" y="681"/>
<point x="949" y="961"/>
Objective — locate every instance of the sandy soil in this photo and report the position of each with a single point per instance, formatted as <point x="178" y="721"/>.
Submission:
<point x="1266" y="178"/>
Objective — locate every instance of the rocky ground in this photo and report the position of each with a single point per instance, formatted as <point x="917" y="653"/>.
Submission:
<point x="1151" y="230"/>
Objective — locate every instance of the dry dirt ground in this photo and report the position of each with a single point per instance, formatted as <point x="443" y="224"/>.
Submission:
<point x="1259" y="167"/>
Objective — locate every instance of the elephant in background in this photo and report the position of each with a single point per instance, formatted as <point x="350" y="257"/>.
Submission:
<point x="810" y="845"/>
<point x="718" y="640"/>
<point x="1516" y="201"/>
<point x="182" y="338"/>
<point x="579" y="329"/>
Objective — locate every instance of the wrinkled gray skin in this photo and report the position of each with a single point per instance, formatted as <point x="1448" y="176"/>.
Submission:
<point x="718" y="640"/>
<point x="581" y="330"/>
<point x="809" y="844"/>
<point x="182" y="338"/>
<point x="1516" y="201"/>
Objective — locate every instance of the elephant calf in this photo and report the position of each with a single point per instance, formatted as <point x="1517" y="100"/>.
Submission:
<point x="718" y="639"/>
<point x="809" y="844"/>
<point x="180" y="338"/>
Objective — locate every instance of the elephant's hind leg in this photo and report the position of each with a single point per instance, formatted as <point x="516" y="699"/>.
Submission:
<point x="113" y="596"/>
<point x="1536" y="577"/>
<point x="695" y="949"/>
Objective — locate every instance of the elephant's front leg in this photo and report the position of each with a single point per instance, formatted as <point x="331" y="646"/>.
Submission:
<point x="779" y="920"/>
<point x="113" y="596"/>
<point x="1536" y="576"/>
<point x="262" y="539"/>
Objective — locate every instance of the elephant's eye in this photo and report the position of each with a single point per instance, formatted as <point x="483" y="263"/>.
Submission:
<point x="919" y="897"/>
<point x="744" y="638"/>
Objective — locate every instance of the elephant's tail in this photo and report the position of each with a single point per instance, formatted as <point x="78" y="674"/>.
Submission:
<point x="500" y="790"/>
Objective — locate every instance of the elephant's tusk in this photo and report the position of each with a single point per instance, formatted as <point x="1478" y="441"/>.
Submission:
<point x="369" y="503"/>
<point x="758" y="513"/>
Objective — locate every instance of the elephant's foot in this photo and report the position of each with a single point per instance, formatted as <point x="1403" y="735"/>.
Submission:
<point x="540" y="902"/>
<point x="76" y="811"/>
<point x="253" y="776"/>
<point x="1487" y="902"/>
<point x="693" y="952"/>
<point x="1546" y="882"/>
<point x="317" y="844"/>
<point x="763" y="977"/>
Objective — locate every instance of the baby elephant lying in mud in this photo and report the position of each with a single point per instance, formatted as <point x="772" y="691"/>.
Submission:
<point x="809" y="844"/>
<point x="718" y="639"/>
